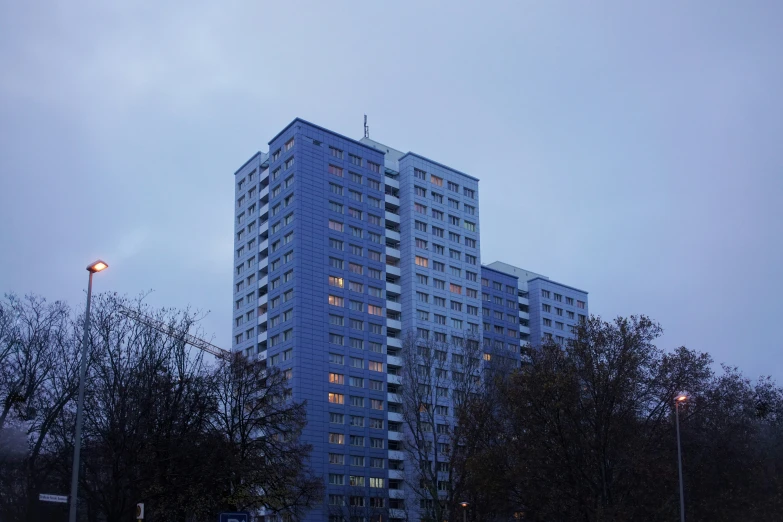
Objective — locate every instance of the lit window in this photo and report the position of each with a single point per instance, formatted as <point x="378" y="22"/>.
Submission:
<point x="422" y="261"/>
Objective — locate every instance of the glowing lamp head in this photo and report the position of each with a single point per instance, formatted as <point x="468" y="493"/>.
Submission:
<point x="97" y="266"/>
<point x="681" y="397"/>
<point x="464" y="504"/>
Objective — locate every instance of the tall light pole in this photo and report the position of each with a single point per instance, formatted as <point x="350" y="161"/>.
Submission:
<point x="77" y="439"/>
<point x="465" y="511"/>
<point x="681" y="398"/>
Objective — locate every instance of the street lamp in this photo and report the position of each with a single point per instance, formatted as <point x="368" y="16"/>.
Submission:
<point x="681" y="398"/>
<point x="465" y="512"/>
<point x="95" y="267"/>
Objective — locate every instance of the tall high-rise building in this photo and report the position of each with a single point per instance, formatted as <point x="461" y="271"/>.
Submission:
<point x="342" y="248"/>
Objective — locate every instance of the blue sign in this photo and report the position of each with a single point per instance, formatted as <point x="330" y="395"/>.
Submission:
<point x="234" y="517"/>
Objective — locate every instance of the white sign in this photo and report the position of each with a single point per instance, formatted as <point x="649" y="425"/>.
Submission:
<point x="53" y="498"/>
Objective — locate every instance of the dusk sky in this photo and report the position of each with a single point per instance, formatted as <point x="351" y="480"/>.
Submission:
<point x="630" y="149"/>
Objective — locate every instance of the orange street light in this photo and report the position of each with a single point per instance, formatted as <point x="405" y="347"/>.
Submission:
<point x="680" y="399"/>
<point x="97" y="266"/>
<point x="94" y="268"/>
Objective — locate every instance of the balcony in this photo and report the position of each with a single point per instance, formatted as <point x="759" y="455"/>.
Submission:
<point x="263" y="299"/>
<point x="394" y="342"/>
<point x="393" y="235"/>
<point x="393" y="379"/>
<point x="392" y="200"/>
<point x="392" y="360"/>
<point x="393" y="288"/>
<point x="393" y="305"/>
<point x="395" y="435"/>
<point x="393" y="324"/>
<point x="524" y="315"/>
<point x="394" y="218"/>
<point x="393" y="270"/>
<point x="396" y="474"/>
<point x="392" y="252"/>
<point x="392" y="182"/>
<point x="262" y="318"/>
<point x="262" y="337"/>
<point x="397" y="493"/>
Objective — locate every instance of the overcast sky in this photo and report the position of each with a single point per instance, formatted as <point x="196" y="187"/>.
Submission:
<point x="630" y="149"/>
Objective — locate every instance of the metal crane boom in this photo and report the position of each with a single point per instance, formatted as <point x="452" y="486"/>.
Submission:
<point x="162" y="327"/>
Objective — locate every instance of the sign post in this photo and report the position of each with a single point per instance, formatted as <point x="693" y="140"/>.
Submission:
<point x="140" y="511"/>
<point x="234" y="517"/>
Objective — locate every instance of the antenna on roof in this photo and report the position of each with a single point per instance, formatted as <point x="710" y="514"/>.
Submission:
<point x="366" y="128"/>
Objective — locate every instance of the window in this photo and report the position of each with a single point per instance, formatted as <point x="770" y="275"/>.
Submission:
<point x="422" y="261"/>
<point x="356" y="250"/>
<point x="357" y="344"/>
<point x="420" y="243"/>
<point x="421" y="209"/>
<point x="455" y="289"/>
<point x="545" y="293"/>
<point x="337" y="480"/>
<point x="376" y="482"/>
<point x="470" y="210"/>
<point x="456" y="306"/>
<point x="336" y="300"/>
<point x="357" y="362"/>
<point x="356" y="306"/>
<point x="336" y="398"/>
<point x="374" y="184"/>
<point x="374" y="255"/>
<point x="439" y="301"/>
<point x="471" y="259"/>
<point x="335" y="358"/>
<point x="336" y="339"/>
<point x="422" y="227"/>
<point x="420" y="191"/>
<point x="357" y="421"/>
<point x="454" y="237"/>
<point x="336" y="263"/>
<point x="376" y="404"/>
<point x="547" y="322"/>
<point x="355" y="268"/>
<point x="356" y="196"/>
<point x="559" y="325"/>
<point x="439" y="284"/>
<point x="453" y="203"/>
<point x="376" y="366"/>
<point x="377" y="386"/>
<point x="570" y="315"/>
<point x="356" y="232"/>
<point x="336" y="438"/>
<point x="356" y="382"/>
<point x="472" y="293"/>
<point x="570" y="301"/>
<point x="335" y="207"/>
<point x="355" y="213"/>
<point x="546" y="308"/>
<point x="437" y="214"/>
<point x="358" y="461"/>
<point x="336" y="418"/>
<point x="471" y="227"/>
<point x="438" y="232"/>
<point x="355" y="480"/>
<point x="422" y="297"/>
<point x="440" y="319"/>
<point x="580" y="304"/>
<point x="336" y="378"/>
<point x="453" y="220"/>
<point x="337" y="458"/>
<point x="337" y="153"/>
<point x="559" y="311"/>
<point x="419" y="174"/>
<point x="356" y="178"/>
<point x="469" y="192"/>
<point x="289" y="144"/>
<point x="438" y="266"/>
<point x="289" y="162"/>
<point x="454" y="254"/>
<point x="336" y="281"/>
<point x="373" y="219"/>
<point x="435" y="180"/>
<point x="374" y="167"/>
<point x="375" y="238"/>
<point x="438" y="249"/>
<point x="437" y="198"/>
<point x="377" y="463"/>
<point x="558" y="297"/>
<point x="335" y="171"/>
<point x="374" y="273"/>
<point x="376" y="443"/>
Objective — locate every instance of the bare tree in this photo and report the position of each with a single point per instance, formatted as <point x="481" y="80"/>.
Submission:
<point x="439" y="380"/>
<point x="264" y="463"/>
<point x="38" y="369"/>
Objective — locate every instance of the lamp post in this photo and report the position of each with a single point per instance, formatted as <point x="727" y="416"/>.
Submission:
<point x="77" y="440"/>
<point x="465" y="511"/>
<point x="681" y="398"/>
